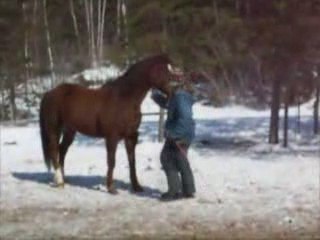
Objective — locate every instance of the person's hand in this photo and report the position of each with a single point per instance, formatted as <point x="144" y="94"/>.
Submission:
<point x="180" y="142"/>
<point x="157" y="92"/>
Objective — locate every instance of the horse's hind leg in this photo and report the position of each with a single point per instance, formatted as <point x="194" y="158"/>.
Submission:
<point x="54" y="156"/>
<point x="131" y="143"/>
<point x="111" y="144"/>
<point x="67" y="139"/>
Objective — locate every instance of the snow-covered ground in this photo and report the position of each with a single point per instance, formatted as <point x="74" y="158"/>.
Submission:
<point x="245" y="188"/>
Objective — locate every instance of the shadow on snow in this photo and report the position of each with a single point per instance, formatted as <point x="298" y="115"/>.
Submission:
<point x="88" y="182"/>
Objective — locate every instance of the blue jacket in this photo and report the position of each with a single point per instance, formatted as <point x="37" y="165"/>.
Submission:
<point x="179" y="125"/>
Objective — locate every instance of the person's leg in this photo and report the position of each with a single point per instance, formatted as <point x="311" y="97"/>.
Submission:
<point x="168" y="161"/>
<point x="188" y="186"/>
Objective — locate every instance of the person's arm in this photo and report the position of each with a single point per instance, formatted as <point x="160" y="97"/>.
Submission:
<point x="159" y="98"/>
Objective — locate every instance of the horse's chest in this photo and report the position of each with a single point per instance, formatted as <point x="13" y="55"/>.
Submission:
<point x="121" y="122"/>
<point x="130" y="120"/>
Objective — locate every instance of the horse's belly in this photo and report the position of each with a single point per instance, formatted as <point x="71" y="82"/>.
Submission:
<point x="83" y="129"/>
<point x="92" y="121"/>
<point x="86" y="125"/>
<point x="90" y="133"/>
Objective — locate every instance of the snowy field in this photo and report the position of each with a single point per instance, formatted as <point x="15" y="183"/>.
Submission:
<point x="246" y="189"/>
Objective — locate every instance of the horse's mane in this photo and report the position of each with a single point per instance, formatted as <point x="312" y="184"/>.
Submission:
<point x="145" y="63"/>
<point x="135" y="69"/>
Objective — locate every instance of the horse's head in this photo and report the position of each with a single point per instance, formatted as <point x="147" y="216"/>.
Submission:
<point x="163" y="75"/>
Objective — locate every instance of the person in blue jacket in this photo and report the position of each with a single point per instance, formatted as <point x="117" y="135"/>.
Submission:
<point x="179" y="133"/>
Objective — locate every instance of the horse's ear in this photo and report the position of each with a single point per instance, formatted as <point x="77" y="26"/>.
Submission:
<point x="175" y="71"/>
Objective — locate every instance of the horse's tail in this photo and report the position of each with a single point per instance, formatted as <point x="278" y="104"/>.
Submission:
<point x="43" y="120"/>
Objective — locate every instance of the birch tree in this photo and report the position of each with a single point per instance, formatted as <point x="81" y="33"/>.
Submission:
<point x="75" y="24"/>
<point x="49" y="47"/>
<point x="95" y="29"/>
<point x="316" y="105"/>
<point x="119" y="19"/>
<point x="26" y="49"/>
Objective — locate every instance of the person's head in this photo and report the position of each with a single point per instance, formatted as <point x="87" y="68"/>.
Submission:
<point x="191" y="83"/>
<point x="187" y="86"/>
<point x="198" y="83"/>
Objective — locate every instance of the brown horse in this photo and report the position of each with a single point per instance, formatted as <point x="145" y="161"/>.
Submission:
<point x="111" y="112"/>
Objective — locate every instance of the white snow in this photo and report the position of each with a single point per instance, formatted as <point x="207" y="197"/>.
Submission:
<point x="204" y="112"/>
<point x="245" y="187"/>
<point x="101" y="73"/>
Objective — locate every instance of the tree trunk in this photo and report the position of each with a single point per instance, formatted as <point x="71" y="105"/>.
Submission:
<point x="104" y="6"/>
<point x="86" y="8"/>
<point x="92" y="32"/>
<point x="118" y="34"/>
<point x="49" y="47"/>
<point x="35" y="37"/>
<point x="75" y="24"/>
<point x="13" y="107"/>
<point x="3" y="102"/>
<point x="299" y="118"/>
<point x="100" y="34"/>
<point x="316" y="111"/>
<point x="27" y="57"/>
<point x="285" y="125"/>
<point x="126" y="31"/>
<point x="274" y="118"/>
<point x="99" y="23"/>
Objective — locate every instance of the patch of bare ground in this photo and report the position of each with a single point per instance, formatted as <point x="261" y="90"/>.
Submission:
<point x="75" y="223"/>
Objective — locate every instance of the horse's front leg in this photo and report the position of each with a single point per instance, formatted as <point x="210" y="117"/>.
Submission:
<point x="131" y="143"/>
<point x="111" y="144"/>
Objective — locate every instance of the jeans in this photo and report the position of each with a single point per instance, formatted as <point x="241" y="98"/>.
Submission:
<point x="177" y="168"/>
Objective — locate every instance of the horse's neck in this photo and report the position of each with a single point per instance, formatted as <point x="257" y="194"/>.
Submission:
<point x="134" y="90"/>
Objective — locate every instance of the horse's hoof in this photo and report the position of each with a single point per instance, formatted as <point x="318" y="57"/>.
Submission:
<point x="113" y="191"/>
<point x="57" y="185"/>
<point x="138" y="188"/>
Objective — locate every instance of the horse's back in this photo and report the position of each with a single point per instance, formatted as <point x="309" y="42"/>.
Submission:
<point x="94" y="112"/>
<point x="79" y="108"/>
<point x="67" y="89"/>
<point x="73" y="93"/>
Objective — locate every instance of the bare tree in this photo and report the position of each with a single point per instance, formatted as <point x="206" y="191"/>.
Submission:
<point x="118" y="34"/>
<point x="95" y="29"/>
<point x="101" y="23"/>
<point x="27" y="57"/>
<point x="126" y="31"/>
<point x="89" y="20"/>
<point x="285" y="124"/>
<point x="316" y="109"/>
<point x="12" y="99"/>
<point x="49" y="47"/>
<point x="288" y="98"/>
<point x="275" y="107"/>
<point x="299" y="116"/>
<point x="3" y="100"/>
<point x="75" y="23"/>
